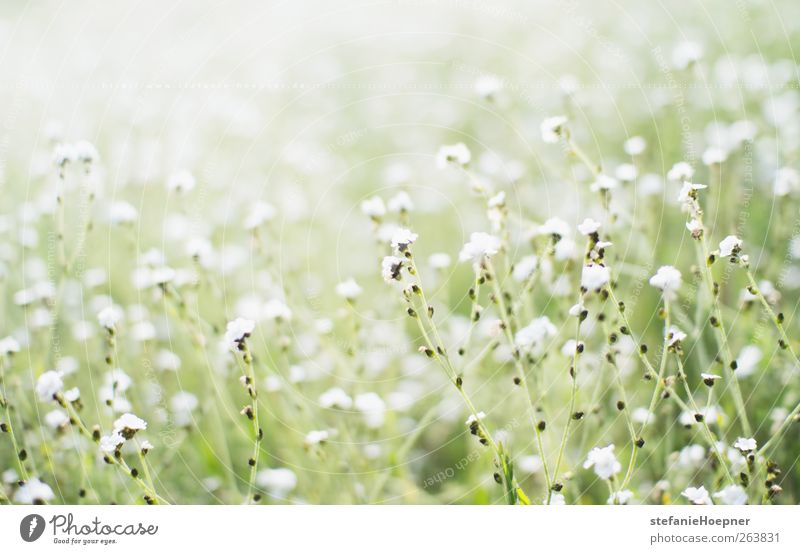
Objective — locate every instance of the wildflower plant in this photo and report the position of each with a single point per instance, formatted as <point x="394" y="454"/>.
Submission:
<point x="510" y="278"/>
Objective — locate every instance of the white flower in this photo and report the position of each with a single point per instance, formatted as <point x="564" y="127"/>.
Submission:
<point x="745" y="444"/>
<point x="604" y="182"/>
<point x="480" y="246"/>
<point x="697" y="495"/>
<point x="181" y="181"/>
<point x="238" y="330"/>
<point x="534" y="334"/>
<point x="730" y="246"/>
<point x="277" y="309"/>
<point x="680" y="172"/>
<point x="400" y="203"/>
<point x="604" y="462"/>
<point x="110" y="316"/>
<point x="335" y="398"/>
<point x="390" y="268"/>
<point x="260" y="213"/>
<point x="688" y="193"/>
<point x="48" y="385"/>
<point x="120" y="213"/>
<point x="787" y="180"/>
<point x="128" y="424"/>
<point x="594" y="277"/>
<point x="695" y="227"/>
<point x="372" y="407"/>
<point x="402" y="239"/>
<point x="278" y="482"/>
<point x="668" y="279"/>
<point x="472" y="419"/>
<point x="84" y="151"/>
<point x="34" y="491"/>
<point x="686" y="53"/>
<point x="63" y="154"/>
<point x="373" y="207"/>
<point x="635" y="146"/>
<point x="691" y="456"/>
<point x="486" y="86"/>
<point x="714" y="155"/>
<point x="317" y="437"/>
<point x="556" y="499"/>
<point x="456" y="154"/>
<point x="626" y="173"/>
<point x="56" y="418"/>
<point x="8" y="345"/>
<point x="72" y="395"/>
<point x="183" y="403"/>
<point x="554" y="226"/>
<point x="439" y="260"/>
<point x="524" y="268"/>
<point x="732" y="495"/>
<point x="109" y="443"/>
<point x="349" y="289"/>
<point x="709" y="377"/>
<point x="588" y="226"/>
<point x="674" y="336"/>
<point x="748" y="360"/>
<point x="552" y="128"/>
<point x="146" y="446"/>
<point x="620" y="497"/>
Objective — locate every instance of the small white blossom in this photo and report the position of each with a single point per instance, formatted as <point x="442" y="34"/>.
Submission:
<point x="181" y="181"/>
<point x="680" y="172"/>
<point x="455" y="154"/>
<point x="400" y="203"/>
<point x="620" y="497"/>
<point x="553" y="128"/>
<point x="317" y="437"/>
<point x="603" y="461"/>
<point x="635" y="146"/>
<point x="668" y="279"/>
<point x="34" y="491"/>
<point x="787" y="181"/>
<point x="402" y="239"/>
<point x="110" y="316"/>
<point x="48" y="385"/>
<point x="238" y="330"/>
<point x="730" y="246"/>
<point x="335" y="398"/>
<point x="277" y="309"/>
<point x="732" y="495"/>
<point x="480" y="246"/>
<point x="588" y="226"/>
<point x="8" y="345"/>
<point x="109" y="443"/>
<point x="533" y="335"/>
<point x="390" y="268"/>
<point x="472" y="419"/>
<point x="128" y="424"/>
<point x="373" y="207"/>
<point x="279" y="481"/>
<point x="439" y="260"/>
<point x="745" y="444"/>
<point x="697" y="496"/>
<point x="594" y="277"/>
<point x="349" y="289"/>
<point x="604" y="182"/>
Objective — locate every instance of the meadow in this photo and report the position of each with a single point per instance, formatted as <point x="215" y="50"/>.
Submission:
<point x="440" y="252"/>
